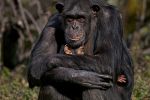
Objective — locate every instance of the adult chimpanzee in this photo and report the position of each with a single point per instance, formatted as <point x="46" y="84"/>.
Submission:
<point x="81" y="54"/>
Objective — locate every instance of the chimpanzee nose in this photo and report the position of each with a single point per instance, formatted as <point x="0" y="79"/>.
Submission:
<point x="75" y="26"/>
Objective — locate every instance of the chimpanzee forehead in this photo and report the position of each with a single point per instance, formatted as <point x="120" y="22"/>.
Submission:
<point x="77" y="5"/>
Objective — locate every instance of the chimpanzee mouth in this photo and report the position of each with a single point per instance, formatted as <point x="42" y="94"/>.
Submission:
<point x="75" y="37"/>
<point x="75" y="41"/>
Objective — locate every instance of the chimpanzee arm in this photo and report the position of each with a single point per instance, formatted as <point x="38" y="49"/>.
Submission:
<point x="99" y="63"/>
<point x="79" y="77"/>
<point x="45" y="46"/>
<point x="127" y="69"/>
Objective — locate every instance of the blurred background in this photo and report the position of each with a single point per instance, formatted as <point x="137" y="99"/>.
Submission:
<point x="21" y="22"/>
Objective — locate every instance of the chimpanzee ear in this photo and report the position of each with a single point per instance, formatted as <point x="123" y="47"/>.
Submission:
<point x="95" y="8"/>
<point x="59" y="7"/>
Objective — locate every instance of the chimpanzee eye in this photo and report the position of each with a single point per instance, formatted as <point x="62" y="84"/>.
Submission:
<point x="69" y="19"/>
<point x="81" y="19"/>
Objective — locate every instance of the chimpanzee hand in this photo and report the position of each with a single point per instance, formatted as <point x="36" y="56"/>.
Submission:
<point x="81" y="77"/>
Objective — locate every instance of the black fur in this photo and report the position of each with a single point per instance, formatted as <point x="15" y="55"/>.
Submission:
<point x="92" y="76"/>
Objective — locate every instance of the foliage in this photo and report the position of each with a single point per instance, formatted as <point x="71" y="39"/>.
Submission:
<point x="142" y="80"/>
<point x="13" y="85"/>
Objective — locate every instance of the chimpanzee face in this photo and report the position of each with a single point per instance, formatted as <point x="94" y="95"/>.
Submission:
<point x="76" y="21"/>
<point x="76" y="27"/>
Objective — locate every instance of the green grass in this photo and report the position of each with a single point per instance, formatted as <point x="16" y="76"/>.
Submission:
<point x="142" y="80"/>
<point x="13" y="85"/>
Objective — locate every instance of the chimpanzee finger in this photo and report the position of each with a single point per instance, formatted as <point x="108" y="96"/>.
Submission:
<point x="105" y="76"/>
<point x="101" y="85"/>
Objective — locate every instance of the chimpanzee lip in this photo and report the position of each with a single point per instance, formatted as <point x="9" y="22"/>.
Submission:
<point x="75" y="38"/>
<point x="75" y="42"/>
